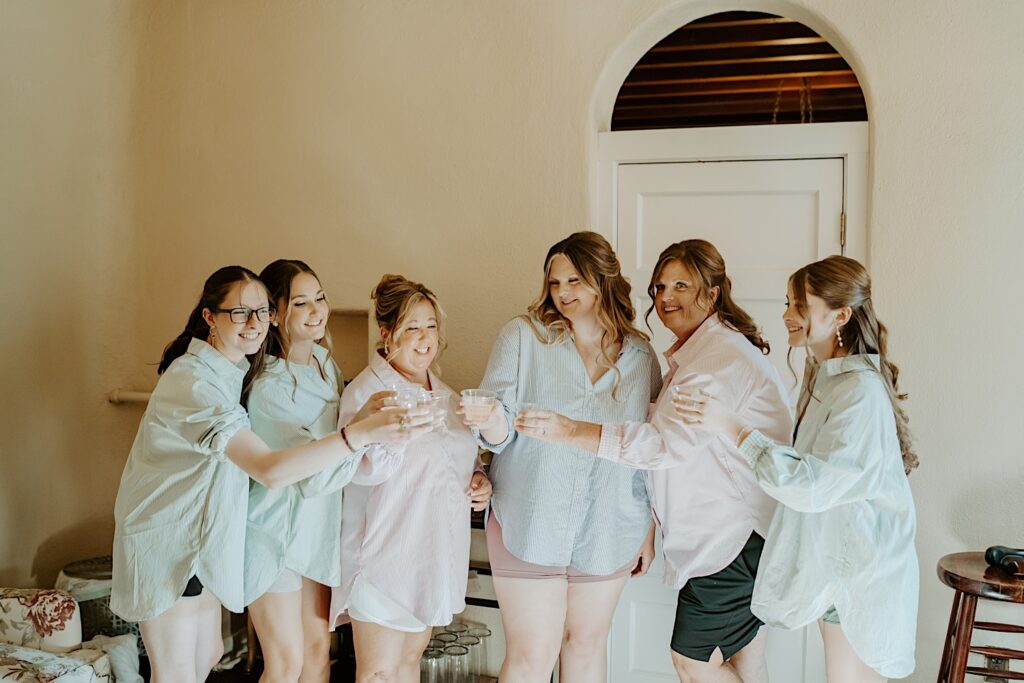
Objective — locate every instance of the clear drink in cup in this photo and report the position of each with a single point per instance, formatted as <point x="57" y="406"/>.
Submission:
<point x="525" y="407"/>
<point x="478" y="404"/>
<point x="406" y="395"/>
<point x="437" y="403"/>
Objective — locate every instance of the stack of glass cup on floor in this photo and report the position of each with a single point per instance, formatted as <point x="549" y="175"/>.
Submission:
<point x="457" y="653"/>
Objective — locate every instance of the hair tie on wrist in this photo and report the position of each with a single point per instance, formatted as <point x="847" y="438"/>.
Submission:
<point x="344" y="438"/>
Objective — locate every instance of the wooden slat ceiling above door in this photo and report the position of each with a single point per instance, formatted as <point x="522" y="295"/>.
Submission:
<point x="739" y="68"/>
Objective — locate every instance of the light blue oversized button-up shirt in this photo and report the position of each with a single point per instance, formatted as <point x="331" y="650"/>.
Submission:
<point x="559" y="505"/>
<point x="844" y="534"/>
<point x="297" y="527"/>
<point x="180" y="509"/>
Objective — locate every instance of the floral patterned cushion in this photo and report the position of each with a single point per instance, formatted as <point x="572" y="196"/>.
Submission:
<point x="43" y="619"/>
<point x="27" y="665"/>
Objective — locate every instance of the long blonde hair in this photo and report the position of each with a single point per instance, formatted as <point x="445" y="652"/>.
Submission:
<point x="841" y="281"/>
<point x="599" y="269"/>
<point x="393" y="298"/>
<point x="706" y="263"/>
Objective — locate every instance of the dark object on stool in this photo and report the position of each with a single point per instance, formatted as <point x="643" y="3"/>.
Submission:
<point x="971" y="577"/>
<point x="1010" y="559"/>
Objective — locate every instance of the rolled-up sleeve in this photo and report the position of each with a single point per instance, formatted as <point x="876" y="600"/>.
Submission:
<point x="502" y="377"/>
<point x="837" y="470"/>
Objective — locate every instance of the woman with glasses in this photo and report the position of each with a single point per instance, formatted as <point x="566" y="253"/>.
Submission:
<point x="181" y="507"/>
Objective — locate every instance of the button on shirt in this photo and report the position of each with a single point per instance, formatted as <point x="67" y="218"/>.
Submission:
<point x="704" y="493"/>
<point x="408" y="536"/>
<point x="559" y="505"/>
<point x="297" y="527"/>
<point x="180" y="509"/>
<point x="844" y="532"/>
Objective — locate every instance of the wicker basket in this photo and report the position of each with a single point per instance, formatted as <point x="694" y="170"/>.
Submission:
<point x="97" y="619"/>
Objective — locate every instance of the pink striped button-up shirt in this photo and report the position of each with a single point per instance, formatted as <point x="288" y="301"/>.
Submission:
<point x="704" y="494"/>
<point x="408" y="536"/>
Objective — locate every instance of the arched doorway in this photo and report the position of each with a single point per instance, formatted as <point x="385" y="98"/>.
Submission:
<point x="695" y="142"/>
<point x="736" y="69"/>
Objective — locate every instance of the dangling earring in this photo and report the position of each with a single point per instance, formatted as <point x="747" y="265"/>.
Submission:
<point x="386" y="352"/>
<point x="839" y="336"/>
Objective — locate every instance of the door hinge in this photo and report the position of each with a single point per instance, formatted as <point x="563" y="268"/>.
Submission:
<point x="842" y="233"/>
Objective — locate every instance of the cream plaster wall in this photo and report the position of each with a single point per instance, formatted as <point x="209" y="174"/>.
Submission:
<point x="450" y="141"/>
<point x="68" y="279"/>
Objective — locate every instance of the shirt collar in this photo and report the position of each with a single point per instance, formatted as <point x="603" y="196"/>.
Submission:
<point x="217" y="360"/>
<point x="713" y="322"/>
<point x="387" y="374"/>
<point x="855" y="363"/>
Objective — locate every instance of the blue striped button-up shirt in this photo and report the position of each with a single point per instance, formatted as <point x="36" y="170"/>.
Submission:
<point x="559" y="505"/>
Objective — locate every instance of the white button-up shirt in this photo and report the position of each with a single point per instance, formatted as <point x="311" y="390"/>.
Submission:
<point x="180" y="509"/>
<point x="705" y="497"/>
<point x="408" y="536"/>
<point x="844" y="534"/>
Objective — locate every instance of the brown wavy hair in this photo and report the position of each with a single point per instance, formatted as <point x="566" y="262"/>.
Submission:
<point x="278" y="277"/>
<point x="393" y="297"/>
<point x="841" y="281"/>
<point x="707" y="265"/>
<point x="599" y="269"/>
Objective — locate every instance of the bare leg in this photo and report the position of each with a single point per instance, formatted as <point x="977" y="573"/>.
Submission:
<point x="533" y="617"/>
<point x="209" y="641"/>
<point x="277" y="618"/>
<point x="588" y="618"/>
<point x="316" y="632"/>
<point x="842" y="665"/>
<point x="749" y="663"/>
<point x="716" y="670"/>
<point x="384" y="655"/>
<point x="171" y="639"/>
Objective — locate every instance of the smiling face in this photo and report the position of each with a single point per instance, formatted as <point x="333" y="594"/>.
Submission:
<point x="678" y="300"/>
<point x="415" y="346"/>
<point x="570" y="294"/>
<point x="236" y="340"/>
<point x="306" y="312"/>
<point x="815" y="326"/>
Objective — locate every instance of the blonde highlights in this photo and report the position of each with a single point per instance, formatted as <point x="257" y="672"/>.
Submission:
<point x="598" y="267"/>
<point x="840" y="281"/>
<point x="393" y="298"/>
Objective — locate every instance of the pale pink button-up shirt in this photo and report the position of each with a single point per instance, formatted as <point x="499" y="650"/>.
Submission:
<point x="408" y="536"/>
<point x="704" y="494"/>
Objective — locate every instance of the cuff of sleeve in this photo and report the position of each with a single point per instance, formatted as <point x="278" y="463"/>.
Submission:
<point x="610" y="446"/>
<point x="754" y="446"/>
<point x="493" y="447"/>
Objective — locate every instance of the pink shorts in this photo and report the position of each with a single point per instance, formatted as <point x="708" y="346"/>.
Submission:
<point x="507" y="565"/>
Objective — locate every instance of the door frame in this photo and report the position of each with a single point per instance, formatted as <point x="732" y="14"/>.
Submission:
<point x="846" y="140"/>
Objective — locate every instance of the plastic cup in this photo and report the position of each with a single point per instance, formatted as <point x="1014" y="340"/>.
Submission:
<point x="478" y="403"/>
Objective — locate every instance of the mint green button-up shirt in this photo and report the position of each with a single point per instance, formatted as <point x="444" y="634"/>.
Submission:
<point x="843" y="535"/>
<point x="180" y="509"/>
<point x="297" y="527"/>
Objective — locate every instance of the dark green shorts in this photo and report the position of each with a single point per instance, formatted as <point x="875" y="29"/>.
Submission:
<point x="714" y="611"/>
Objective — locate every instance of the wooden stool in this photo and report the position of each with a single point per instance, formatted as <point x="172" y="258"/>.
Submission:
<point x="971" y="577"/>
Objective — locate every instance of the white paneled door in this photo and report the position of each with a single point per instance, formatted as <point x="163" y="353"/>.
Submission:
<point x="768" y="218"/>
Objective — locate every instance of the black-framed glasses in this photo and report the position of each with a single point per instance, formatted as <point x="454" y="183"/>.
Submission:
<point x="242" y="314"/>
